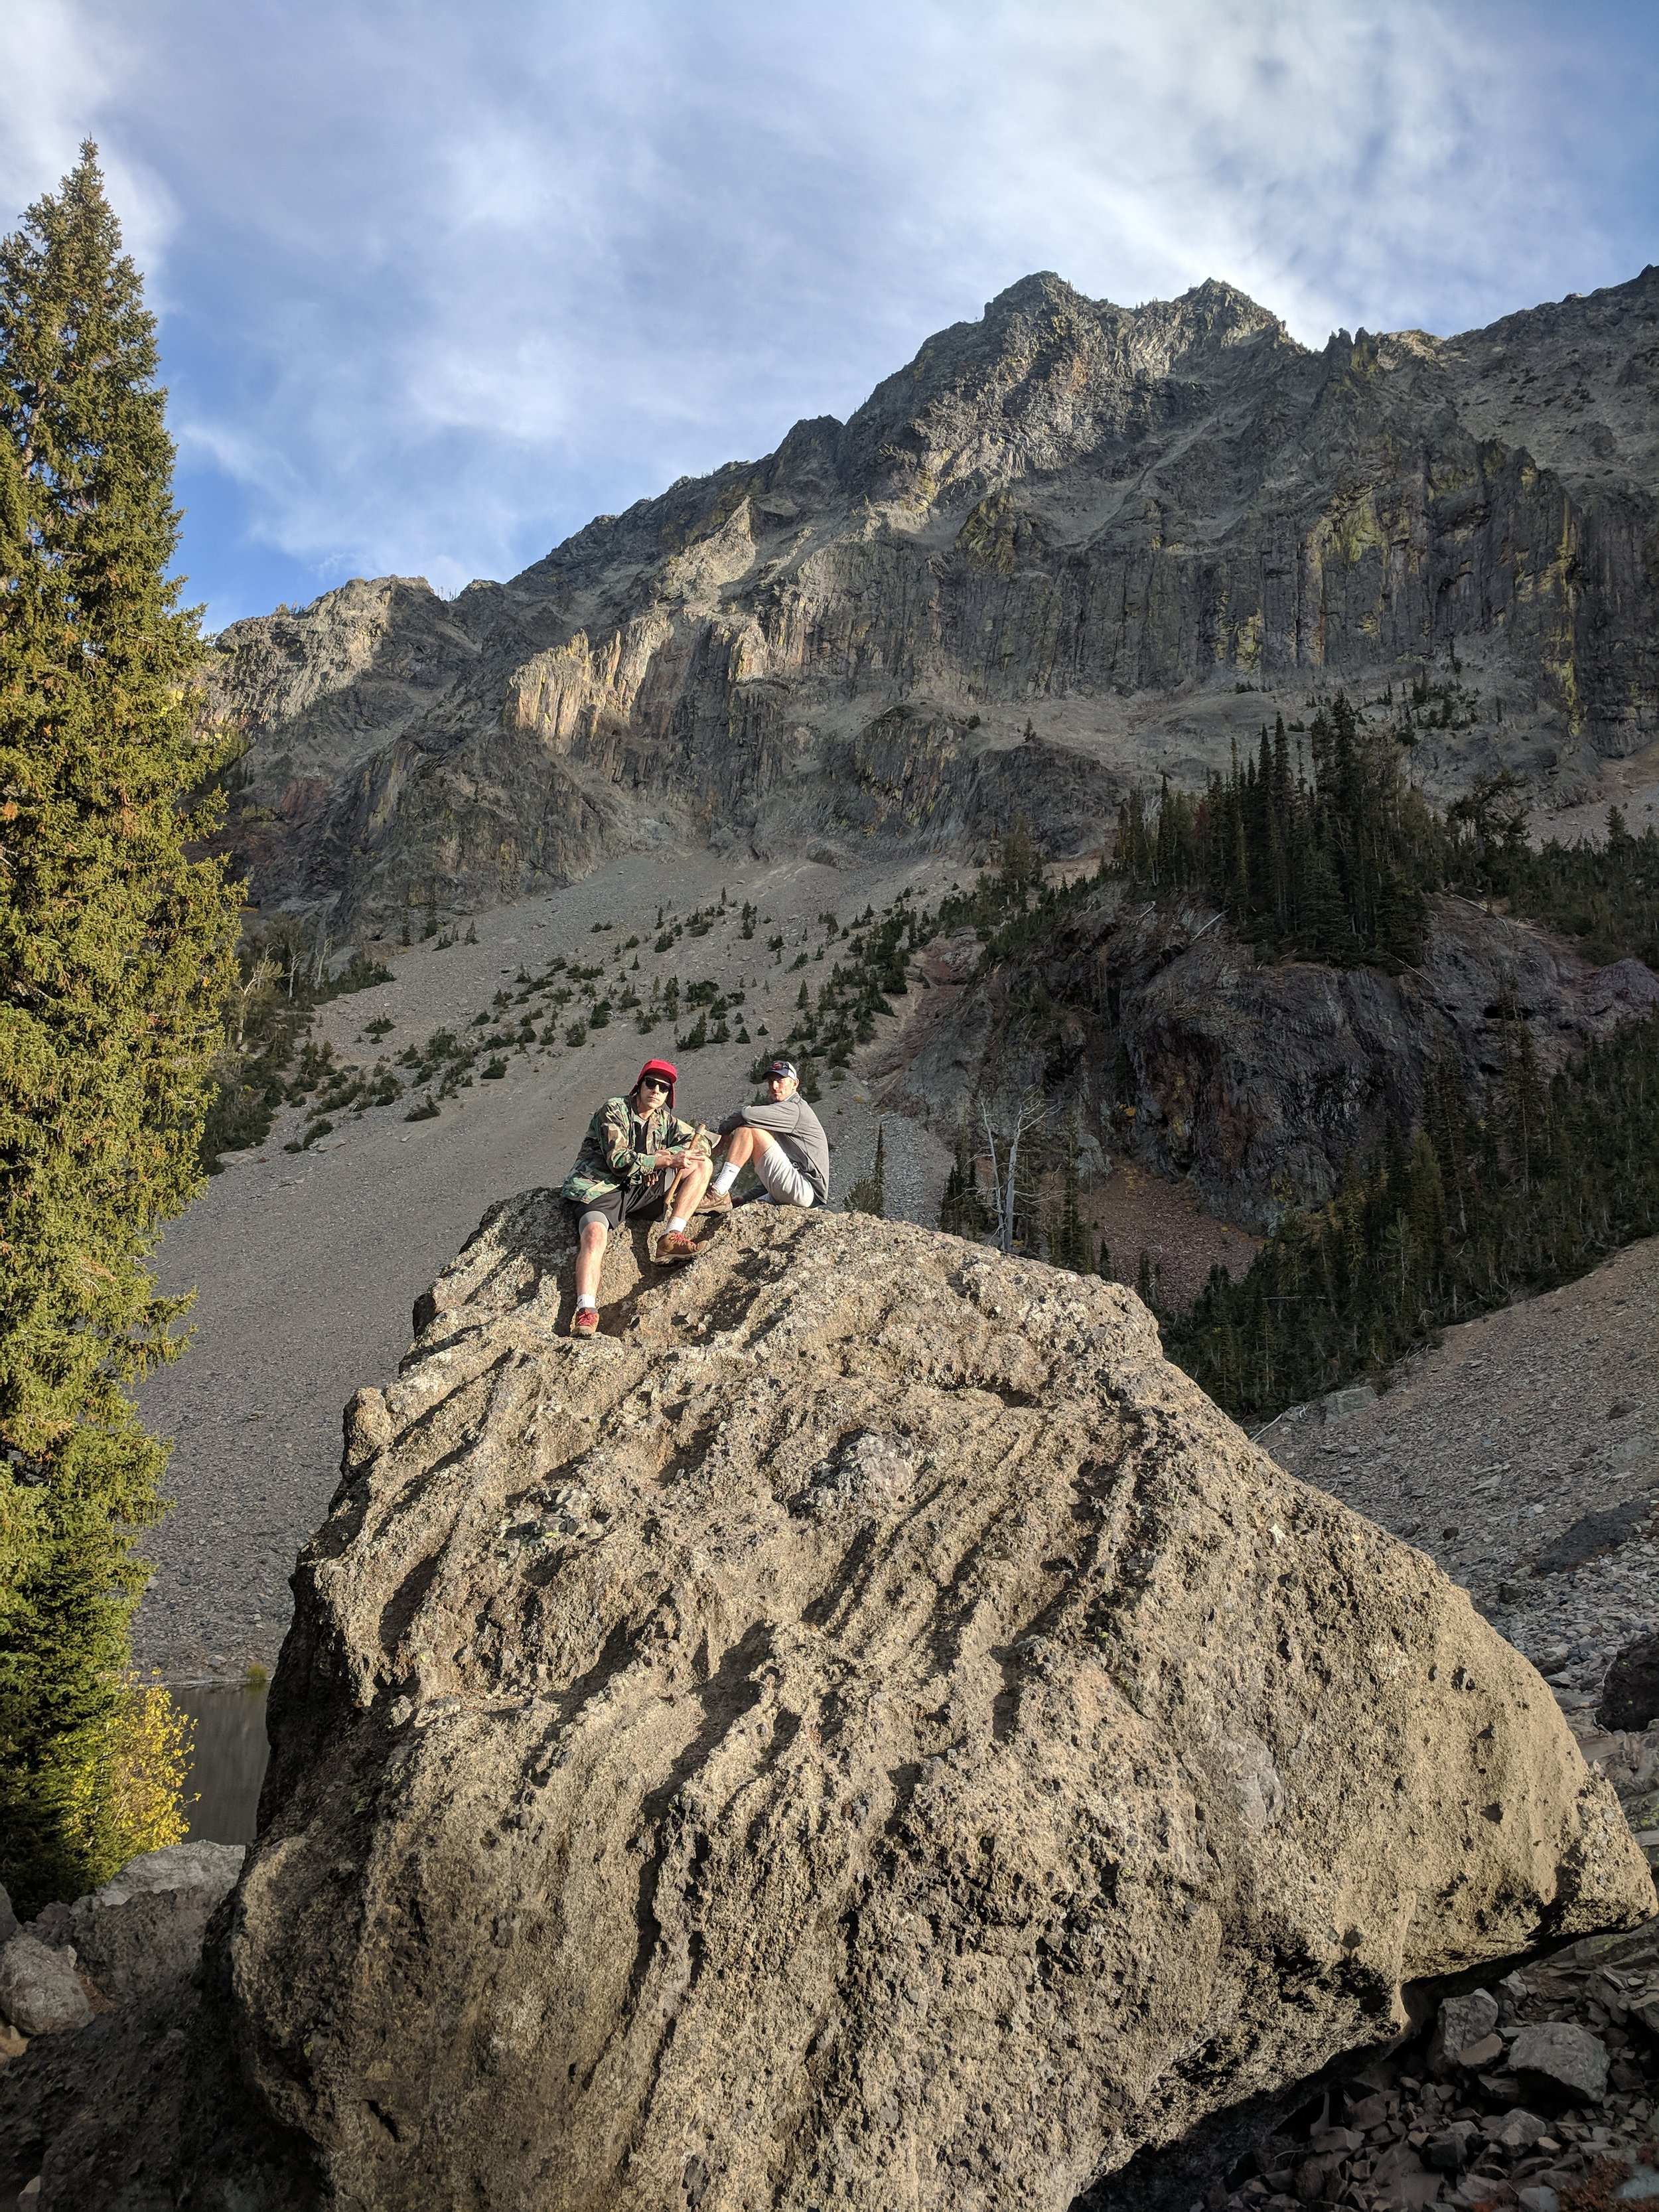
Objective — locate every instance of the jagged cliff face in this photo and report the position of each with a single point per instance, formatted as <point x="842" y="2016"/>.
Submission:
<point x="1181" y="1048"/>
<point x="1102" y="522"/>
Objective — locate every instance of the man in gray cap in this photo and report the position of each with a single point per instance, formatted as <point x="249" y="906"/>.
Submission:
<point x="784" y="1141"/>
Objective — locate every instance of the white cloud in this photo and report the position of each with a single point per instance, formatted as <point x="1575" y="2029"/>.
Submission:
<point x="58" y="70"/>
<point x="438" y="283"/>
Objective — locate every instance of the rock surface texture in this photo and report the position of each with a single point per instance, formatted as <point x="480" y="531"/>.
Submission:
<point x="863" y="1731"/>
<point x="1492" y="1448"/>
<point x="41" y="1992"/>
<point x="1098" y="523"/>
<point x="145" y="1926"/>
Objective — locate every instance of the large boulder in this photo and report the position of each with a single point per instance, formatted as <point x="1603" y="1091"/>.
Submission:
<point x="864" y="1731"/>
<point x="146" y="1925"/>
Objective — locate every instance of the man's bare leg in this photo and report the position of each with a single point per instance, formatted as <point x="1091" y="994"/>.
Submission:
<point x="745" y="1144"/>
<point x="688" y="1188"/>
<point x="590" y="1258"/>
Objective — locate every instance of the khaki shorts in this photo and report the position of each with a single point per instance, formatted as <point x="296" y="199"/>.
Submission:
<point x="785" y="1183"/>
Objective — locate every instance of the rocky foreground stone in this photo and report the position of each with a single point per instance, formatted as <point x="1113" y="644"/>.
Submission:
<point x="864" y="1732"/>
<point x="142" y="1929"/>
<point x="1538" y="2091"/>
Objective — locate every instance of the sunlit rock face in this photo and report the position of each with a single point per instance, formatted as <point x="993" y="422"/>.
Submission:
<point x="863" y="1731"/>
<point x="1120" y="526"/>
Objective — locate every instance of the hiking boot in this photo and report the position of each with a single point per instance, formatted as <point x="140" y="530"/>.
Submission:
<point x="674" y="1244"/>
<point x="714" y="1201"/>
<point x="585" y="1322"/>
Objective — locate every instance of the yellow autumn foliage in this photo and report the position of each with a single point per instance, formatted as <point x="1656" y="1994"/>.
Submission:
<point x="134" y="1793"/>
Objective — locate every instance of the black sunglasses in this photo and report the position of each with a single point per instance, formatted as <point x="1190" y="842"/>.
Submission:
<point x="651" y="1083"/>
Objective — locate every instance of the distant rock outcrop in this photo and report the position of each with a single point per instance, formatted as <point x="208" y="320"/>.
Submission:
<point x="1192" y="1055"/>
<point x="864" y="1731"/>
<point x="1117" y="520"/>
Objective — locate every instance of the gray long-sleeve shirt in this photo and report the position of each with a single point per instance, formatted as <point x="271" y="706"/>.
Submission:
<point x="800" y="1134"/>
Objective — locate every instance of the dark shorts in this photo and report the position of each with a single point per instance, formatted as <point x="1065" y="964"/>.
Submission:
<point x="613" y="1207"/>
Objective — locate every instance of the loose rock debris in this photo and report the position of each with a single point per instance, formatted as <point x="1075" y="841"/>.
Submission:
<point x="1548" y="2105"/>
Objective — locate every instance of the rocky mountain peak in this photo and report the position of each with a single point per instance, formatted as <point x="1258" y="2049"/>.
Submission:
<point x="1135" y="525"/>
<point x="1043" y="381"/>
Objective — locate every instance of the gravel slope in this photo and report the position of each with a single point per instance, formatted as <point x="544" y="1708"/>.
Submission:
<point x="1500" y="1444"/>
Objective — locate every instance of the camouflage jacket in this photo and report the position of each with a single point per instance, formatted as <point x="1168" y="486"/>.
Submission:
<point x="616" y="1153"/>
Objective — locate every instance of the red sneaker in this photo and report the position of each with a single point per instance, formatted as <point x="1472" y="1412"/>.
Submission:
<point x="585" y="1322"/>
<point x="674" y="1244"/>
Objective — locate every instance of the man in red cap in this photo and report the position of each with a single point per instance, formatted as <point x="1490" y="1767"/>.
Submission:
<point x="636" y="1153"/>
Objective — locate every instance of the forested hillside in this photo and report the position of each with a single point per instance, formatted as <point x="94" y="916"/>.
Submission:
<point x="1319" y="847"/>
<point x="1516" y="1164"/>
<point x="1500" y="1193"/>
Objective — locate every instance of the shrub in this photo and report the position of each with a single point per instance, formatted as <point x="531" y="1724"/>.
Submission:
<point x="150" y="1744"/>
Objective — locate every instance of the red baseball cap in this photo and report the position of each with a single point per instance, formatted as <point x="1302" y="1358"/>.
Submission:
<point x="665" y="1069"/>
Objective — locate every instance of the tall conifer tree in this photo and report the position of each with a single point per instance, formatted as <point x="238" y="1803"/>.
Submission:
<point x="116" y="950"/>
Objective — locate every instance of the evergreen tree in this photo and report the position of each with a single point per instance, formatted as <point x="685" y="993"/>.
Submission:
<point x="869" y="1194"/>
<point x="1069" y="1244"/>
<point x="962" y="1211"/>
<point x="1022" y="863"/>
<point x="1132" y="852"/>
<point x="116" y="950"/>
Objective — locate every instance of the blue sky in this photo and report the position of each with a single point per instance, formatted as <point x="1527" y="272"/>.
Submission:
<point x="438" y="281"/>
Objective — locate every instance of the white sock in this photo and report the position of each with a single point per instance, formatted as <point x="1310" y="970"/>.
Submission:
<point x="727" y="1175"/>
<point x="585" y="1299"/>
<point x="677" y="1226"/>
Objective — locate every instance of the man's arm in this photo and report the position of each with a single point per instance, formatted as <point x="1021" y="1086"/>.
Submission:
<point x="782" y="1119"/>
